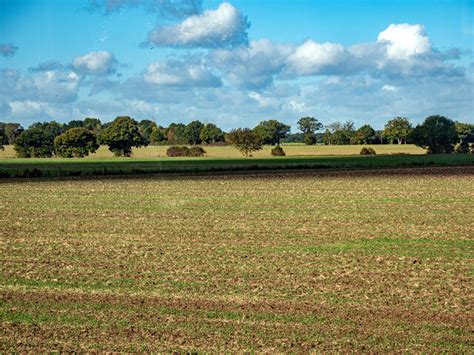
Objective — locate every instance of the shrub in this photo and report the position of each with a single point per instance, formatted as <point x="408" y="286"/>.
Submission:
<point x="196" y="152"/>
<point x="278" y="151"/>
<point x="367" y="151"/>
<point x="176" y="151"/>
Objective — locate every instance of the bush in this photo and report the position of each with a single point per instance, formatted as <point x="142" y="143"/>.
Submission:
<point x="278" y="151"/>
<point x="196" y="152"/>
<point x="367" y="151"/>
<point x="176" y="151"/>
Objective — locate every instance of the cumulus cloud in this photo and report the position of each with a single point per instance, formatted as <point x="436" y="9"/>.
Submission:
<point x="252" y="66"/>
<point x="403" y="41"/>
<point x="167" y="8"/>
<point x="180" y="74"/>
<point x="8" y="49"/>
<point x="57" y="86"/>
<point x="96" y="63"/>
<point x="312" y="58"/>
<point x="224" y="27"/>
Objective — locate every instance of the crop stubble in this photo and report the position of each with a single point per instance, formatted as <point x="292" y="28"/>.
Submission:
<point x="378" y="260"/>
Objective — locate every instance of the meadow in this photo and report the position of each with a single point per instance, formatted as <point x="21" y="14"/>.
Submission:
<point x="230" y="152"/>
<point x="359" y="260"/>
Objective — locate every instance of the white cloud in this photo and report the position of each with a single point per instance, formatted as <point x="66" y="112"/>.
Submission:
<point x="252" y="66"/>
<point x="180" y="74"/>
<point x="96" y="63"/>
<point x="312" y="58"/>
<point x="223" y="27"/>
<point x="389" y="88"/>
<point x="403" y="41"/>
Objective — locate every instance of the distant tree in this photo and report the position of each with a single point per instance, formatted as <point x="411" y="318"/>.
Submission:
<point x="11" y="132"/>
<point x="2" y="137"/>
<point x="121" y="135"/>
<point x="397" y="129"/>
<point x="175" y="134"/>
<point x="272" y="131"/>
<point x="192" y="132"/>
<point x="38" y="140"/>
<point x="210" y="134"/>
<point x="158" y="135"/>
<point x="465" y="132"/>
<point x="437" y="134"/>
<point x="92" y="124"/>
<point x="309" y="126"/>
<point x="245" y="140"/>
<point x="73" y="124"/>
<point x="75" y="142"/>
<point x="294" y="138"/>
<point x="146" y="128"/>
<point x="339" y="133"/>
<point x="365" y="135"/>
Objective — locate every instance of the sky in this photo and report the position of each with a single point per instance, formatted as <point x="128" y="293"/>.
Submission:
<point x="236" y="63"/>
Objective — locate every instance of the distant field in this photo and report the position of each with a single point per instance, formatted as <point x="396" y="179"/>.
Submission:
<point x="378" y="261"/>
<point x="229" y="152"/>
<point x="18" y="168"/>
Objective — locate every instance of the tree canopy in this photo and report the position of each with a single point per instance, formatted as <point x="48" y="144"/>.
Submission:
<point x="397" y="129"/>
<point x="75" y="142"/>
<point x="272" y="131"/>
<point x="245" y="140"/>
<point x="121" y="135"/>
<point x="437" y="134"/>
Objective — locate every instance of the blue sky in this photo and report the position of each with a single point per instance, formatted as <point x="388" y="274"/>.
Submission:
<point x="237" y="62"/>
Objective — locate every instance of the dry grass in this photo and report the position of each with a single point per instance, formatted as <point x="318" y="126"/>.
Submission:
<point x="229" y="152"/>
<point x="376" y="260"/>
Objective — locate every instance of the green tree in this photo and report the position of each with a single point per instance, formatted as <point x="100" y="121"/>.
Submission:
<point x="11" y="132"/>
<point x="92" y="124"/>
<point x="192" y="132"/>
<point x="272" y="131"/>
<point x="365" y="135"/>
<point x="38" y="140"/>
<point x="121" y="135"/>
<point x="158" y="135"/>
<point x="339" y="133"/>
<point x="465" y="132"/>
<point x="245" y="140"/>
<point x="146" y="128"/>
<point x="309" y="126"/>
<point x="397" y="129"/>
<point x="73" y="124"/>
<point x="210" y="134"/>
<point x="175" y="134"/>
<point x="75" y="142"/>
<point x="2" y="137"/>
<point x="437" y="134"/>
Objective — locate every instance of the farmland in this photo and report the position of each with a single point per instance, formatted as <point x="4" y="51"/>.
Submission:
<point x="377" y="260"/>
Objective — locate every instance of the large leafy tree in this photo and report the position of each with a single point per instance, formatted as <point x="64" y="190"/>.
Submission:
<point x="245" y="140"/>
<point x="309" y="126"/>
<point x="38" y="140"/>
<point x="92" y="124"/>
<point x="121" y="135"/>
<point x="73" y="124"/>
<point x="175" y="134"/>
<point x="192" y="132"/>
<point x="75" y="142"/>
<point x="339" y="133"/>
<point x="158" y="135"/>
<point x="11" y="132"/>
<point x="397" y="130"/>
<point x="272" y="131"/>
<point x="365" y="135"/>
<point x="146" y="128"/>
<point x="210" y="134"/>
<point x="437" y="134"/>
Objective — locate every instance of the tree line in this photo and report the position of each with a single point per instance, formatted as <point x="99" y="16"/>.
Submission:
<point x="79" y="138"/>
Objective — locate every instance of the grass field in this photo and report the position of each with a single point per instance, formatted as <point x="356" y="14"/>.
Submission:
<point x="348" y="260"/>
<point x="229" y="152"/>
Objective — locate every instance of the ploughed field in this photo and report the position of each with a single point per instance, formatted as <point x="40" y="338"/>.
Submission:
<point x="345" y="260"/>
